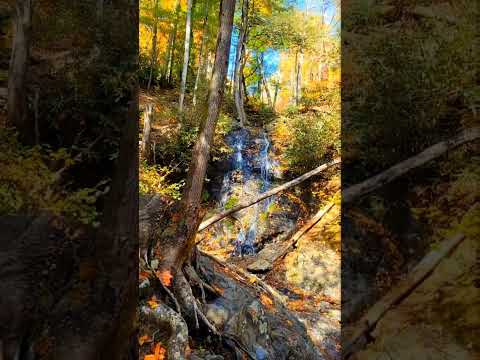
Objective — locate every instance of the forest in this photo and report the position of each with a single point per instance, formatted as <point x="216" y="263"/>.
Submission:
<point x="239" y="179"/>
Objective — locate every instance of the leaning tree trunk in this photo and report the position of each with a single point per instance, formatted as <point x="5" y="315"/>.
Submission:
<point x="201" y="58"/>
<point x="17" y="92"/>
<point x="175" y="246"/>
<point x="237" y="77"/>
<point x="153" y="60"/>
<point x="186" y="56"/>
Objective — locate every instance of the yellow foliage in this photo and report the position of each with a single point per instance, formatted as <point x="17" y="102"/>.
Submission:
<point x="29" y="184"/>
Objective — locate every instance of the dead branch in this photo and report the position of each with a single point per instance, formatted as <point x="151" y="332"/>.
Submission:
<point x="367" y="186"/>
<point x="421" y="272"/>
<point x="267" y="194"/>
<point x="266" y="264"/>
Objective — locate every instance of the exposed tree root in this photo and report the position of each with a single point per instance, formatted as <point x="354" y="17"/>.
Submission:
<point x="178" y="342"/>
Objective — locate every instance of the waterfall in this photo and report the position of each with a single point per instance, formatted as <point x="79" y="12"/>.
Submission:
<point x="252" y="175"/>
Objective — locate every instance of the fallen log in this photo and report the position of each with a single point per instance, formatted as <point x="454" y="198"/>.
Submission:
<point x="421" y="272"/>
<point x="212" y="220"/>
<point x="355" y="191"/>
<point x="265" y="262"/>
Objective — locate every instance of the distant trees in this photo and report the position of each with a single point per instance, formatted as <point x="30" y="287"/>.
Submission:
<point x="238" y="90"/>
<point x="17" y="93"/>
<point x="186" y="56"/>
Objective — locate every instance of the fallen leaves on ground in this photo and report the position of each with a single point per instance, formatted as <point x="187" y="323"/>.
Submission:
<point x="159" y="353"/>
<point x="152" y="302"/>
<point x="165" y="277"/>
<point x="266" y="301"/>
<point x="144" y="339"/>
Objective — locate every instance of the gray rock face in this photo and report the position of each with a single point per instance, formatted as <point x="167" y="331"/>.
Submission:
<point x="263" y="325"/>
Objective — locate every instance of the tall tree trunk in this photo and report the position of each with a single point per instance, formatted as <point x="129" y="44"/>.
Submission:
<point x="264" y="82"/>
<point x="117" y="240"/>
<point x="275" y="95"/>
<point x="238" y="72"/>
<point x="298" y="77"/>
<point x="186" y="55"/>
<point x="147" y="125"/>
<point x="153" y="59"/>
<point x="201" y="58"/>
<point x="177" y="245"/>
<point x="17" y="92"/>
<point x="244" y="88"/>
<point x="172" y="47"/>
<point x="169" y="50"/>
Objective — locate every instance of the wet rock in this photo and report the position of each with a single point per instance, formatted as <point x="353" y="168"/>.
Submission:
<point x="260" y="323"/>
<point x="218" y="315"/>
<point x="214" y="357"/>
<point x="260" y="265"/>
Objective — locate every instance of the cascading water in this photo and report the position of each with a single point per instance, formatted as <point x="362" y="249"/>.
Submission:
<point x="249" y="175"/>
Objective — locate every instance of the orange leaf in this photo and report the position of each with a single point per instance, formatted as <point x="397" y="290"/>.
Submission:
<point x="153" y="302"/>
<point x="165" y="277"/>
<point x="296" y="305"/>
<point x="159" y="353"/>
<point x="142" y="275"/>
<point x="266" y="301"/>
<point x="143" y="339"/>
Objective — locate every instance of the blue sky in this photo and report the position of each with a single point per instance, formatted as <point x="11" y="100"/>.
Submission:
<point x="272" y="57"/>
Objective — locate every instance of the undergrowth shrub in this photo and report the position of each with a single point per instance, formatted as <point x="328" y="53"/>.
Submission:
<point x="29" y="182"/>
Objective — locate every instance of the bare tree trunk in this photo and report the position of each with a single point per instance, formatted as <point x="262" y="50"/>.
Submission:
<point x="186" y="55"/>
<point x="264" y="82"/>
<point x="153" y="60"/>
<point x="17" y="92"/>
<point x="355" y="191"/>
<point x="172" y="47"/>
<point x="177" y="245"/>
<point x="202" y="58"/>
<point x="298" y="77"/>
<point x="117" y="239"/>
<point x="277" y="86"/>
<point x="238" y="72"/>
<point x="147" y="123"/>
<point x="244" y="88"/>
